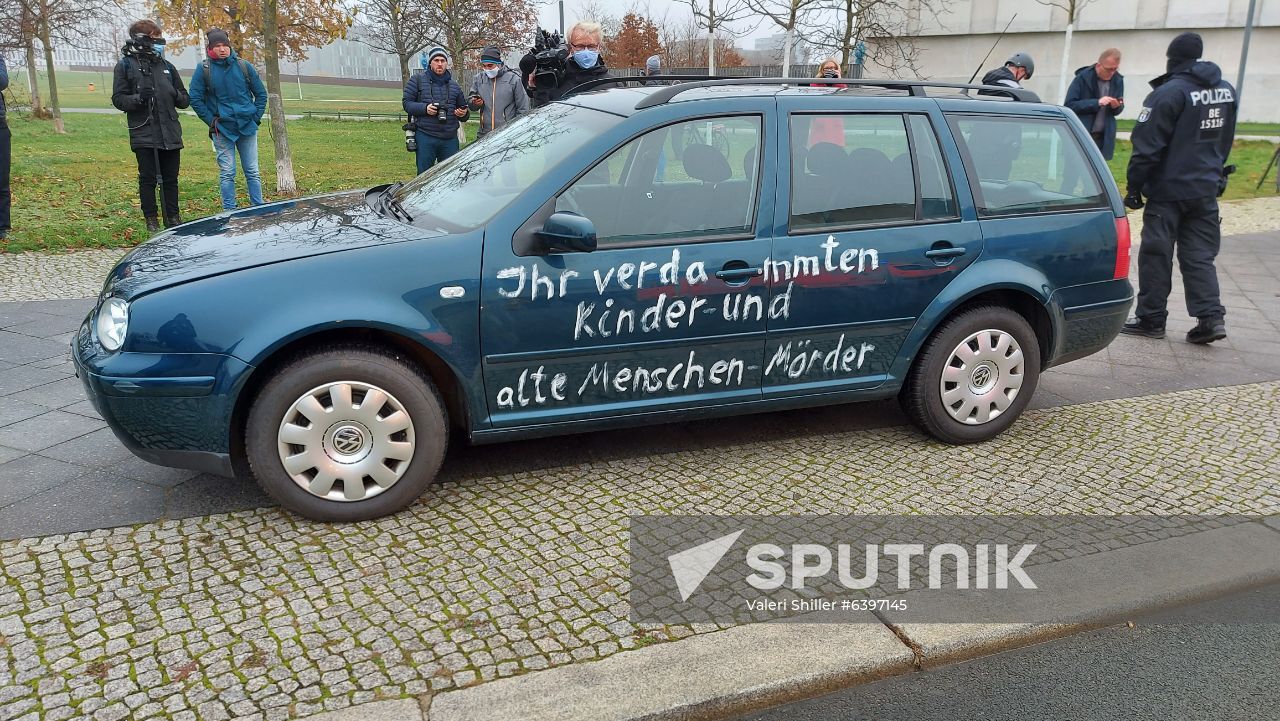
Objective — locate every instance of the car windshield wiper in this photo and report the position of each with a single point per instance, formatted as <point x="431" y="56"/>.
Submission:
<point x="389" y="202"/>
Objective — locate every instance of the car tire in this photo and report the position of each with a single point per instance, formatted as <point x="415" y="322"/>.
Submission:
<point x="380" y="459"/>
<point x="974" y="376"/>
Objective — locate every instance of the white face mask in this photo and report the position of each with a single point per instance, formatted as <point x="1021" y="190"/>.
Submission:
<point x="493" y="73"/>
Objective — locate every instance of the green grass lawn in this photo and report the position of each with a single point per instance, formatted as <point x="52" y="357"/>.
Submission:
<point x="74" y="92"/>
<point x="1126" y="124"/>
<point x="79" y="190"/>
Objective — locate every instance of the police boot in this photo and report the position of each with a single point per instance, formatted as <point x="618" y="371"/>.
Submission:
<point x="1146" y="329"/>
<point x="1207" y="331"/>
<point x="172" y="220"/>
<point x="153" y="224"/>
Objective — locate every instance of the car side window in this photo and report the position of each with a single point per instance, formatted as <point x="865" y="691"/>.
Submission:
<point x="936" y="199"/>
<point x="1026" y="165"/>
<point x="850" y="170"/>
<point x="683" y="181"/>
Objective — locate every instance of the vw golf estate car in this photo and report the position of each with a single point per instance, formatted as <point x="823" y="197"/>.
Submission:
<point x="626" y="256"/>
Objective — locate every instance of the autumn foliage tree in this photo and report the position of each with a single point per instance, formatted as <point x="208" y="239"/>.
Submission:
<point x="464" y="26"/>
<point x="265" y="31"/>
<point x="637" y="39"/>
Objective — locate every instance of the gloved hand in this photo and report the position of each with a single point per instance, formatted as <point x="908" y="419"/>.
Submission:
<point x="146" y="94"/>
<point x="1133" y="200"/>
<point x="1222" y="182"/>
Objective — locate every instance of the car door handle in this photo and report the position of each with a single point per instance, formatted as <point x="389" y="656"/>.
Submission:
<point x="732" y="274"/>
<point x="948" y="252"/>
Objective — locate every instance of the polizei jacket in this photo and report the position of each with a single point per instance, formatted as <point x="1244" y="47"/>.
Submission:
<point x="152" y="124"/>
<point x="1184" y="134"/>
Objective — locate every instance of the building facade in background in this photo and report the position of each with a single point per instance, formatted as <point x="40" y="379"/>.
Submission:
<point x="952" y="45"/>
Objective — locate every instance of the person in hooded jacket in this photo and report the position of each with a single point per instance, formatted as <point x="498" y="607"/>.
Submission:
<point x="436" y="105"/>
<point x="496" y="91"/>
<point x="1096" y="96"/>
<point x="1180" y="147"/>
<point x="148" y="89"/>
<point x="584" y="64"/>
<point x="229" y="97"/>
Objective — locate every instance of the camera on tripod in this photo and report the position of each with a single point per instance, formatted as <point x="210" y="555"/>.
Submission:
<point x="549" y="56"/>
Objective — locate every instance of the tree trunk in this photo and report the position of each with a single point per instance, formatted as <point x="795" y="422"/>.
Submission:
<point x="53" y="80"/>
<point x="37" y="107"/>
<point x="711" y="37"/>
<point x="786" y="51"/>
<point x="1066" y="58"/>
<point x="285" y="182"/>
<point x="404" y="69"/>
<point x="846" y="39"/>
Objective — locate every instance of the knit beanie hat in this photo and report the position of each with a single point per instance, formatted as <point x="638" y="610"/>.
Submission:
<point x="1187" y="46"/>
<point x="433" y="52"/>
<point x="217" y="36"/>
<point x="491" y="54"/>
<point x="653" y="64"/>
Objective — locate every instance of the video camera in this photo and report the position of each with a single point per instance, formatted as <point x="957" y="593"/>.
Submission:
<point x="139" y="45"/>
<point x="549" y="56"/>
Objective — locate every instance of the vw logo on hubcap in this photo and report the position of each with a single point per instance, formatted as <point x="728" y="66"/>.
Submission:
<point x="348" y="440"/>
<point x="981" y="377"/>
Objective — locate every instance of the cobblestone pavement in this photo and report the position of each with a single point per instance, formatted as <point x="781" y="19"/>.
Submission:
<point x="262" y="615"/>
<point x="79" y="274"/>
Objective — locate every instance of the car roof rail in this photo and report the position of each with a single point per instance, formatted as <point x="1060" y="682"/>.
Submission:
<point x="915" y="88"/>
<point x="620" y="79"/>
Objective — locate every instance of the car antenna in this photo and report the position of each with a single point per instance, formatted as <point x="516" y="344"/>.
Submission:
<point x="993" y="47"/>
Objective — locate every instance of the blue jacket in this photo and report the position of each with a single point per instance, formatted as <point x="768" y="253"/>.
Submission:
<point x="1082" y="97"/>
<point x="4" y="83"/>
<point x="426" y="88"/>
<point x="236" y="104"/>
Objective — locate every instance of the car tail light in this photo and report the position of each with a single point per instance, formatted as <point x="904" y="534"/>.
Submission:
<point x="1122" y="248"/>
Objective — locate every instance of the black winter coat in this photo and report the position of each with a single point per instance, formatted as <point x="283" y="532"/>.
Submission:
<point x="427" y="88"/>
<point x="574" y="75"/>
<point x="1082" y="98"/>
<point x="1184" y="135"/>
<point x="154" y="124"/>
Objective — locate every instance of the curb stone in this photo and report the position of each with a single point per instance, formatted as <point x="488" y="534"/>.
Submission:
<point x="753" y="666"/>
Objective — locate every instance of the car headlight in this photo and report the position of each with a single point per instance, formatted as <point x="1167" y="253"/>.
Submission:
<point x="113" y="323"/>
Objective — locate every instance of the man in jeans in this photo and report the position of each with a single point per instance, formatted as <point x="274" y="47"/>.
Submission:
<point x="4" y="154"/>
<point x="436" y="104"/>
<point x="229" y="97"/>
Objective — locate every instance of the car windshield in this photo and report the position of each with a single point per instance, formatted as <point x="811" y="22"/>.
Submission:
<point x="467" y="190"/>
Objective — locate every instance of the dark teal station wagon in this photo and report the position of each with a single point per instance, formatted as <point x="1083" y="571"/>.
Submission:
<point x="627" y="256"/>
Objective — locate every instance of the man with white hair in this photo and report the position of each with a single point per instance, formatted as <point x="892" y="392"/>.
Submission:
<point x="582" y="64"/>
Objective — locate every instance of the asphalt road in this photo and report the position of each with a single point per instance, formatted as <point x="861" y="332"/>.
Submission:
<point x="1215" y="660"/>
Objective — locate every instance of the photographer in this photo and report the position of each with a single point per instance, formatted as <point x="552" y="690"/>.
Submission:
<point x="436" y="104"/>
<point x="149" y="91"/>
<point x="551" y="72"/>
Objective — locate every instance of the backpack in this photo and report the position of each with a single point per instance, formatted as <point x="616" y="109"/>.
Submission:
<point x="208" y="76"/>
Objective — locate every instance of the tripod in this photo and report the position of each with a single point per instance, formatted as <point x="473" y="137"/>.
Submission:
<point x="1271" y="164"/>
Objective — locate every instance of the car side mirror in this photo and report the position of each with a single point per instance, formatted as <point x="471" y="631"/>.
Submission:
<point x="567" y="232"/>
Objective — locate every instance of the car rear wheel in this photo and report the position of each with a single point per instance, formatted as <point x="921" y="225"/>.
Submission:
<point x="346" y="434"/>
<point x="974" y="376"/>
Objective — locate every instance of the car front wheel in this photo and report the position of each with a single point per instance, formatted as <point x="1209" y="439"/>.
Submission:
<point x="974" y="376"/>
<point x="346" y="434"/>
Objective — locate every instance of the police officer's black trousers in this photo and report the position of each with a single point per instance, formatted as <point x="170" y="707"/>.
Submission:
<point x="1191" y="229"/>
<point x="5" y="138"/>
<point x="170" y="161"/>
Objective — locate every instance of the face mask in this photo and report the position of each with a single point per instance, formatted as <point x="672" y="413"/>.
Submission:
<point x="830" y="74"/>
<point x="157" y="47"/>
<point x="493" y="73"/>
<point x="586" y="59"/>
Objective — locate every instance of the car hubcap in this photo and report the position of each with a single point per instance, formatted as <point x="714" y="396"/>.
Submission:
<point x="982" y="377"/>
<point x="346" y="441"/>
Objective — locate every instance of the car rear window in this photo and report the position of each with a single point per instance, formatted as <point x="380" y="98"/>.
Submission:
<point x="1021" y="165"/>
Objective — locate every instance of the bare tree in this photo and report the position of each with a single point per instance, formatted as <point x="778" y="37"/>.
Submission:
<point x="397" y="27"/>
<point x="716" y="16"/>
<point x="461" y="26"/>
<point x="60" y="20"/>
<point x="887" y="29"/>
<point x="786" y="14"/>
<point x="1072" y="8"/>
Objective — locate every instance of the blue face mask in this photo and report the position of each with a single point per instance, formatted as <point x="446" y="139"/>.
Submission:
<point x="586" y="59"/>
<point x="157" y="47"/>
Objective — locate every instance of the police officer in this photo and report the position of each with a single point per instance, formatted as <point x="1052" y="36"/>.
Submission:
<point x="1019" y="67"/>
<point x="1180" y="148"/>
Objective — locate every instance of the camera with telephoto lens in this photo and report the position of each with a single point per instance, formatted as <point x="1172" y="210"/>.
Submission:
<point x="442" y="113"/>
<point x="549" y="57"/>
<point x="410" y="137"/>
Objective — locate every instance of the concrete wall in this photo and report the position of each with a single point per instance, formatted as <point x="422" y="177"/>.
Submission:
<point x="953" y="43"/>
